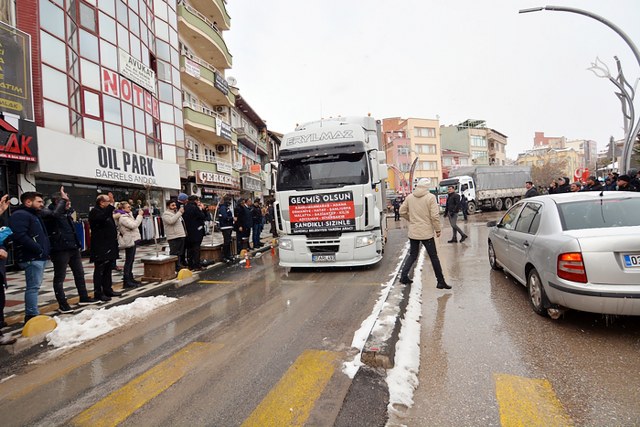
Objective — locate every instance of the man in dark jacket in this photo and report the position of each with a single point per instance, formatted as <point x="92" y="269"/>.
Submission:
<point x="65" y="251"/>
<point x="624" y="183"/>
<point x="225" y="222"/>
<point x="194" y="217"/>
<point x="104" y="246"/>
<point x="451" y="211"/>
<point x="593" y="184"/>
<point x="396" y="208"/>
<point x="256" y="223"/>
<point x="531" y="190"/>
<point x="4" y="339"/>
<point x="243" y="225"/>
<point x="563" y="185"/>
<point x="31" y="247"/>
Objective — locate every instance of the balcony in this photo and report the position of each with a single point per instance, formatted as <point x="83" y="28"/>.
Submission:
<point x="205" y="81"/>
<point x="203" y="36"/>
<point x="251" y="141"/>
<point x="201" y="123"/>
<point x="215" y="11"/>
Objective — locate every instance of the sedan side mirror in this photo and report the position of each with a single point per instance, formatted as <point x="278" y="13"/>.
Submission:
<point x="492" y="223"/>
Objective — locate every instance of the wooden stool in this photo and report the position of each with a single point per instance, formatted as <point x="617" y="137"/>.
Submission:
<point x="159" y="268"/>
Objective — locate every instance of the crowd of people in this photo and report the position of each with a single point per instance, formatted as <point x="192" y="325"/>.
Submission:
<point x="612" y="182"/>
<point x="41" y="233"/>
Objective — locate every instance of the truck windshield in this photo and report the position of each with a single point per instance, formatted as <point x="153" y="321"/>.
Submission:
<point x="326" y="171"/>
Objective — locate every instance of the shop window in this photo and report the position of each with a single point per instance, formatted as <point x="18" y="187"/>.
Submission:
<point x="107" y="28"/>
<point x="129" y="140"/>
<point x="91" y="103"/>
<point x="56" y="87"/>
<point x="90" y="74"/>
<point x="111" y="109"/>
<point x="108" y="6"/>
<point x="122" y="13"/>
<point x="88" y="45"/>
<point x="141" y="143"/>
<point x="127" y="115"/>
<point x="108" y="55"/>
<point x="113" y="135"/>
<point x="134" y="22"/>
<point x="123" y="38"/>
<point x="56" y="116"/>
<point x="55" y="19"/>
<point x="53" y="51"/>
<point x="93" y="130"/>
<point x="135" y="47"/>
<point x="76" y="124"/>
<point x="87" y="17"/>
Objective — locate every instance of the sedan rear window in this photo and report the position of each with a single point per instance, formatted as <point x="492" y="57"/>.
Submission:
<point x="603" y="213"/>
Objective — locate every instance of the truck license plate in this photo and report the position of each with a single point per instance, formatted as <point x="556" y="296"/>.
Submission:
<point x="323" y="257"/>
<point x="632" y="260"/>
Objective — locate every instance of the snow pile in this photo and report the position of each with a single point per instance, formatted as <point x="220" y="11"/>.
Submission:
<point x="360" y="337"/>
<point x="89" y="324"/>
<point x="402" y="379"/>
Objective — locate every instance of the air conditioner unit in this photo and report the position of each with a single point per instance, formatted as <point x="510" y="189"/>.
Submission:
<point x="221" y="148"/>
<point x="219" y="108"/>
<point x="189" y="144"/>
<point x="194" y="189"/>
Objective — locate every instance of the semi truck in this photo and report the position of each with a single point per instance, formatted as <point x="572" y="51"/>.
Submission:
<point x="486" y="187"/>
<point x="329" y="183"/>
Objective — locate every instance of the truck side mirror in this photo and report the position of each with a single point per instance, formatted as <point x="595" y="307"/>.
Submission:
<point x="268" y="183"/>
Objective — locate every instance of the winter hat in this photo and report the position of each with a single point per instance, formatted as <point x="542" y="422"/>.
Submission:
<point x="182" y="197"/>
<point x="423" y="182"/>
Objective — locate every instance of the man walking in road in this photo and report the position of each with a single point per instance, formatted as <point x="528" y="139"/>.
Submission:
<point x="31" y="247"/>
<point x="531" y="190"/>
<point x="451" y="211"/>
<point x="65" y="251"/>
<point x="421" y="209"/>
<point x="104" y="246"/>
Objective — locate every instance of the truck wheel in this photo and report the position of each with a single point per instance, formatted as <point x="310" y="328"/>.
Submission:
<point x="471" y="208"/>
<point x="508" y="203"/>
<point x="498" y="204"/>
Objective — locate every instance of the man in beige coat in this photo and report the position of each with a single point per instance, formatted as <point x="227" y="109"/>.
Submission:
<point x="421" y="210"/>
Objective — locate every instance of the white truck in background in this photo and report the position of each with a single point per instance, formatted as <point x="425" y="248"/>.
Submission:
<point x="486" y="187"/>
<point x="330" y="194"/>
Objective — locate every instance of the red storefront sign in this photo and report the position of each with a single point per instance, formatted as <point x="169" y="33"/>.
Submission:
<point x="322" y="213"/>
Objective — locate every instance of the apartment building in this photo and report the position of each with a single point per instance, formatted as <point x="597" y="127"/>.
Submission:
<point x="422" y="139"/>
<point x="485" y="146"/>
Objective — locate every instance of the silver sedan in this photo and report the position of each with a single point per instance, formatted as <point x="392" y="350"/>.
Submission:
<point x="576" y="250"/>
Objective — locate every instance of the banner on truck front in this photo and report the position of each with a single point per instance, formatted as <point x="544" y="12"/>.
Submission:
<point x="317" y="213"/>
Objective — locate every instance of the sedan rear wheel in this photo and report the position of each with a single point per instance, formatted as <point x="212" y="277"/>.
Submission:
<point x="537" y="297"/>
<point x="492" y="258"/>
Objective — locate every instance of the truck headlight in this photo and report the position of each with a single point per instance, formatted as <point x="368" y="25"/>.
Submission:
<point x="367" y="240"/>
<point x="286" y="244"/>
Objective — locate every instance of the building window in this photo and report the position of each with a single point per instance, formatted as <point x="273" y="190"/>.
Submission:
<point x="447" y="161"/>
<point x="403" y="150"/>
<point x="428" y="166"/>
<point x="478" y="141"/>
<point x="478" y="154"/>
<point x="425" y="132"/>
<point x="426" y="148"/>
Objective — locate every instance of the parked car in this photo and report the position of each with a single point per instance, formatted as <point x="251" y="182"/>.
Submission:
<point x="575" y="250"/>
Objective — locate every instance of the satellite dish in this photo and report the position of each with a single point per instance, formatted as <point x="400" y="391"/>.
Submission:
<point x="232" y="81"/>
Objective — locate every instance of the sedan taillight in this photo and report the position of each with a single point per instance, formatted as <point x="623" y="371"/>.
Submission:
<point x="571" y="267"/>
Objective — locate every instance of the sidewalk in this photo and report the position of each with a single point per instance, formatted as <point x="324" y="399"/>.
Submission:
<point x="47" y="304"/>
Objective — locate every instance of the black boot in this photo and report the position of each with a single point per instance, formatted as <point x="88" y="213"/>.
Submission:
<point x="442" y="285"/>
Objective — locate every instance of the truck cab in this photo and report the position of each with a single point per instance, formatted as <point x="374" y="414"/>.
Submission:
<point x="464" y="185"/>
<point x="330" y="194"/>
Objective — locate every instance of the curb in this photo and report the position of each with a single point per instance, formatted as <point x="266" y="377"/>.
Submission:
<point x="26" y="343"/>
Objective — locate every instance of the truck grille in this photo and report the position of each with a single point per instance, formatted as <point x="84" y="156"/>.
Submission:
<point x="323" y="248"/>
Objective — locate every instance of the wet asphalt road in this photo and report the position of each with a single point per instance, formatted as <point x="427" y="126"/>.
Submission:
<point x="485" y="327"/>
<point x="245" y="332"/>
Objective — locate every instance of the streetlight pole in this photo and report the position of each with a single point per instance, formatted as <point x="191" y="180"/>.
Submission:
<point x="631" y="135"/>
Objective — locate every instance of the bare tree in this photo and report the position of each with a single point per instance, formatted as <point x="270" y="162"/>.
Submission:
<point x="550" y="170"/>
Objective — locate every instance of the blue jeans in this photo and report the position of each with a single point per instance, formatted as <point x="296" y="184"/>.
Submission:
<point x="34" y="272"/>
<point x="256" y="235"/>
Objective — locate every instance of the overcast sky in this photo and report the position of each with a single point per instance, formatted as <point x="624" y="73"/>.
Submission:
<point x="297" y="61"/>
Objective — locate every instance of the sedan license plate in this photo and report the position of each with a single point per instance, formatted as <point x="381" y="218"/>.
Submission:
<point x="632" y="260"/>
<point x="323" y="257"/>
